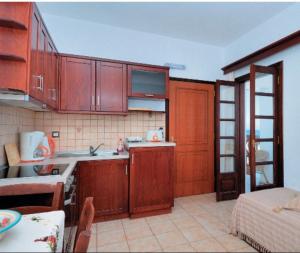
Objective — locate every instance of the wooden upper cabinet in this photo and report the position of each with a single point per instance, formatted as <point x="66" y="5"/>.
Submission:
<point x="148" y="82"/>
<point x="77" y="88"/>
<point x="111" y="87"/>
<point x="151" y="179"/>
<point x="24" y="52"/>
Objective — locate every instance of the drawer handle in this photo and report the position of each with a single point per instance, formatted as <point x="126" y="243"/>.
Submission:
<point x="149" y="95"/>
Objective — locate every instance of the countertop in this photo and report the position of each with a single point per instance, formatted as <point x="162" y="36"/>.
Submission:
<point x="53" y="179"/>
<point x="149" y="144"/>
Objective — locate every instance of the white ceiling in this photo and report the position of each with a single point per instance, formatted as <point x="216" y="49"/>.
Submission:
<point x="211" y="23"/>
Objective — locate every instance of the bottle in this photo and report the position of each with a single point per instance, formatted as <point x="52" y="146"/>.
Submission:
<point x="120" y="146"/>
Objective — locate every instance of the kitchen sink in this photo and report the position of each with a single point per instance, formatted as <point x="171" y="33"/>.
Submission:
<point x="83" y="154"/>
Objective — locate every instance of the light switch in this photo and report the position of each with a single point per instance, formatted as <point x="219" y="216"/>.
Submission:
<point x="55" y="134"/>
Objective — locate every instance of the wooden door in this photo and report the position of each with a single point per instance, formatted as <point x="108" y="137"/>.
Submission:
<point x="111" y="196"/>
<point x="151" y="179"/>
<point x="77" y="84"/>
<point x="264" y="134"/>
<point x="192" y="128"/>
<point x="227" y="140"/>
<point x="111" y="87"/>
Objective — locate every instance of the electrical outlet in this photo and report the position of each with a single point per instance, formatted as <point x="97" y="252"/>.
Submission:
<point x="55" y="134"/>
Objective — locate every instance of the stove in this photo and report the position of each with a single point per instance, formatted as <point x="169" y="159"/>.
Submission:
<point x="32" y="170"/>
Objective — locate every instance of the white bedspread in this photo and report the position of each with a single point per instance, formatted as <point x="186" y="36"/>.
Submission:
<point x="254" y="217"/>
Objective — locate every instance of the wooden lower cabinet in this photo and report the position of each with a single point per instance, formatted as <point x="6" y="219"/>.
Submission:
<point x="151" y="181"/>
<point x="107" y="182"/>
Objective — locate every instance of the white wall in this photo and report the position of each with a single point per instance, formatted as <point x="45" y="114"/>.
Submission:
<point x="279" y="26"/>
<point x="275" y="28"/>
<point x="87" y="38"/>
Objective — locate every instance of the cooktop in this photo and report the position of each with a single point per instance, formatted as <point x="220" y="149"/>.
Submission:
<point x="32" y="170"/>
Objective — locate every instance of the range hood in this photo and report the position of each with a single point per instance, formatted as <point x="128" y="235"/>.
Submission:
<point x="150" y="105"/>
<point x="19" y="99"/>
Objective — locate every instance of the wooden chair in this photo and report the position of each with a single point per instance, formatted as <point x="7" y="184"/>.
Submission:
<point x="83" y="232"/>
<point x="33" y="189"/>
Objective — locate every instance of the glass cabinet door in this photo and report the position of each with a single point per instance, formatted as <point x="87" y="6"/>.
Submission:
<point x="148" y="82"/>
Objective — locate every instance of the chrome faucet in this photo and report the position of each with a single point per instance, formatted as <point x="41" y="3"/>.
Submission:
<point x="93" y="150"/>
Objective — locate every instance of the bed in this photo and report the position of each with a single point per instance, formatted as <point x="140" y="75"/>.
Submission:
<point x="255" y="221"/>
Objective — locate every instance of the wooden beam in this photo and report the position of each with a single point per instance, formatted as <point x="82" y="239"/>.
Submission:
<point x="264" y="52"/>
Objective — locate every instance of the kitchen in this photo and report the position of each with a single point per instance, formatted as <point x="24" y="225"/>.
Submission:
<point x="135" y="134"/>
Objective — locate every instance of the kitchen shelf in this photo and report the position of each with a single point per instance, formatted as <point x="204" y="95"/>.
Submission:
<point x="9" y="57"/>
<point x="12" y="24"/>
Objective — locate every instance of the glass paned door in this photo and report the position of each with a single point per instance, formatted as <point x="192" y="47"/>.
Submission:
<point x="226" y="139"/>
<point x="263" y="131"/>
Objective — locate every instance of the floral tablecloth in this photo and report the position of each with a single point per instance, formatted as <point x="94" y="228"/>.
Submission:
<point x="41" y="232"/>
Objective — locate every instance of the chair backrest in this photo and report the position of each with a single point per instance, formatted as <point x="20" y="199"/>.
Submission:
<point x="31" y="189"/>
<point x="83" y="232"/>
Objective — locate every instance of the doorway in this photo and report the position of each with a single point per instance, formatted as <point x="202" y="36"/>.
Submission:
<point x="261" y="128"/>
<point x="255" y="153"/>
<point x="191" y="126"/>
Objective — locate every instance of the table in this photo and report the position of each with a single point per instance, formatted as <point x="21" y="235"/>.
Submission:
<point x="40" y="232"/>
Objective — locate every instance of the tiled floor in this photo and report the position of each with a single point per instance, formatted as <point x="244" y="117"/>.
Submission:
<point x="197" y="224"/>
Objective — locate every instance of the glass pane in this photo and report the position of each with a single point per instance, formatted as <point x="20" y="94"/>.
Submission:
<point x="264" y="151"/>
<point x="226" y="164"/>
<point x="264" y="174"/>
<point x="148" y="82"/>
<point x="264" y="128"/>
<point x="227" y="111"/>
<point x="264" y="83"/>
<point x="227" y="93"/>
<point x="227" y="147"/>
<point x="227" y="128"/>
<point x="264" y="105"/>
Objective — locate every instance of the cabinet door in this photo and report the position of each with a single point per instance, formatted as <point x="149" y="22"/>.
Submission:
<point x="51" y="75"/>
<point x="35" y="80"/>
<point x="86" y="182"/>
<point x="77" y="91"/>
<point x="148" y="82"/>
<point x="111" y="195"/>
<point x="151" y="180"/>
<point x="111" y="87"/>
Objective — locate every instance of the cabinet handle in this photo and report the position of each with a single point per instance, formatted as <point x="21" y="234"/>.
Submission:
<point x="126" y="170"/>
<point x="132" y="159"/>
<point x="40" y="84"/>
<point x="93" y="100"/>
<point x="98" y="100"/>
<point x="149" y="95"/>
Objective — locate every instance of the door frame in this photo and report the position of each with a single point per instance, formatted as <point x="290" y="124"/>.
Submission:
<point x="280" y="165"/>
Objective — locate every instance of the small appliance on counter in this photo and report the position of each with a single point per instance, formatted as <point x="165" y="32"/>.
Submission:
<point x="34" y="146"/>
<point x="155" y="135"/>
<point x="133" y="139"/>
